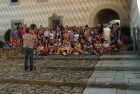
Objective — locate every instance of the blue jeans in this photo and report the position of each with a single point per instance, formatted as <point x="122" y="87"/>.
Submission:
<point x="28" y="52"/>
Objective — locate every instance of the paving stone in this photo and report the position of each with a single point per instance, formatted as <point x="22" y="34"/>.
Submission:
<point x="132" y="92"/>
<point x="99" y="91"/>
<point x="135" y="81"/>
<point x="2" y="86"/>
<point x="101" y="74"/>
<point x="104" y="80"/>
<point x="121" y="80"/>
<point x="120" y="91"/>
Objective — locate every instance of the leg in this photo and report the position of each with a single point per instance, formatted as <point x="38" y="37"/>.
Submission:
<point x="26" y="59"/>
<point x="31" y="59"/>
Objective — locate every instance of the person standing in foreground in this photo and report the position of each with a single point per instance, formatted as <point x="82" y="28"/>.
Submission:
<point x="28" y="48"/>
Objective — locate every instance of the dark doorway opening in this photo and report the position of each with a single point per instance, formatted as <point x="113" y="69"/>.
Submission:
<point x="106" y="16"/>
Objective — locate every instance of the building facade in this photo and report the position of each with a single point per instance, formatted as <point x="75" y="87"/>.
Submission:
<point x="135" y="23"/>
<point x="62" y="12"/>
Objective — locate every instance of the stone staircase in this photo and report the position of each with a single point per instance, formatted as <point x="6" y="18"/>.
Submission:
<point x="56" y="74"/>
<point x="51" y="75"/>
<point x="117" y="74"/>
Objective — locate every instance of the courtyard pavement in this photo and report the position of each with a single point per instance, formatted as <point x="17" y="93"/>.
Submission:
<point x="55" y="74"/>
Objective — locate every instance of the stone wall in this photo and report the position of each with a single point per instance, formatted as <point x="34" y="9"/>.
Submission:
<point x="9" y="52"/>
<point x="73" y="12"/>
<point x="135" y="20"/>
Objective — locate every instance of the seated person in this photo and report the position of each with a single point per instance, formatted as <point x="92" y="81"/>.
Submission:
<point x="106" y="46"/>
<point x="83" y="43"/>
<point x="78" y="48"/>
<point x="113" y="47"/>
<point x="40" y="49"/>
<point x="57" y="45"/>
<point x="88" y="47"/>
<point x="51" y="47"/>
<point x="98" y="47"/>
<point x="66" y="47"/>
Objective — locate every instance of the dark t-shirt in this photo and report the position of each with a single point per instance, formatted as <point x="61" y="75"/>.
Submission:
<point x="116" y="33"/>
<point x="1" y="44"/>
<point x="100" y="30"/>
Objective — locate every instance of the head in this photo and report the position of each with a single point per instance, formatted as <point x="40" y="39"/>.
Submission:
<point x="105" y="25"/>
<point x="98" y="25"/>
<point x="117" y="24"/>
<point x="14" y="28"/>
<point x="27" y="30"/>
<point x="113" y="25"/>
<point x="20" y="25"/>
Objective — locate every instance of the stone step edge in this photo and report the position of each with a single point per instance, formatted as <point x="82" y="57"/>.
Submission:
<point x="105" y="68"/>
<point x="118" y="85"/>
<point x="72" y="84"/>
<point x="82" y="58"/>
<point x="90" y="68"/>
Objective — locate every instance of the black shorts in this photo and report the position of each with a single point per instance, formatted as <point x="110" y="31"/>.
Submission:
<point x="46" y="38"/>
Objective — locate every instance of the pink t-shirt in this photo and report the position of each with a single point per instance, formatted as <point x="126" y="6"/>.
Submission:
<point x="23" y="32"/>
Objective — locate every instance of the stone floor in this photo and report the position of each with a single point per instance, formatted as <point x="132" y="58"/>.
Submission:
<point x="108" y="74"/>
<point x="9" y="88"/>
<point x="50" y="76"/>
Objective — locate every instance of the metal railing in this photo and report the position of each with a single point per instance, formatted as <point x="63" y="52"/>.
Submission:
<point x="136" y="39"/>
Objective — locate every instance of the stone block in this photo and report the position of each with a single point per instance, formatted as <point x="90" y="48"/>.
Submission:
<point x="90" y="90"/>
<point x="135" y="81"/>
<point x="104" y="80"/>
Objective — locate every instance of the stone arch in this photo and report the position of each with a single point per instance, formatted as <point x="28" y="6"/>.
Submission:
<point x="114" y="7"/>
<point x="105" y="16"/>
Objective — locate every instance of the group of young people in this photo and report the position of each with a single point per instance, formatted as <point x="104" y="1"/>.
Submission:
<point x="71" y="40"/>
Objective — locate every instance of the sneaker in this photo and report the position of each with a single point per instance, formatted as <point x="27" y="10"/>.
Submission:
<point x="50" y="53"/>
<point x="64" y="53"/>
<point x="77" y="53"/>
<point x="56" y="53"/>
<point x="74" y="53"/>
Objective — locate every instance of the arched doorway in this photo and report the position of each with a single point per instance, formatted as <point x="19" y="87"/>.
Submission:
<point x="106" y="16"/>
<point x="102" y="8"/>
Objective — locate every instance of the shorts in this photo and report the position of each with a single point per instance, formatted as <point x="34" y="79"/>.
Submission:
<point x="46" y="38"/>
<point x="62" y="49"/>
<point x="98" y="49"/>
<point x="13" y="40"/>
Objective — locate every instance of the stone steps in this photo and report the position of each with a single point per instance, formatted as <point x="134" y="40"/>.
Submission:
<point x="112" y="72"/>
<point x="130" y="56"/>
<point x="63" y="69"/>
<point x="91" y="90"/>
<point x="84" y="65"/>
<point x="107" y="71"/>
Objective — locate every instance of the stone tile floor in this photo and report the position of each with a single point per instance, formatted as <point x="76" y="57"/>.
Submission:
<point x="9" y="88"/>
<point x="47" y="78"/>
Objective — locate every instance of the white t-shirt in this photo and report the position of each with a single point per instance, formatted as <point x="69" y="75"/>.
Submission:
<point x="106" y="45"/>
<point x="51" y="36"/>
<point x="76" y="37"/>
<point x="46" y="33"/>
<point x="107" y="34"/>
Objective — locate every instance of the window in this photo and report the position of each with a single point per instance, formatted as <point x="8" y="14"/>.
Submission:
<point x="55" y="21"/>
<point x="14" y="2"/>
<point x="16" y="23"/>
